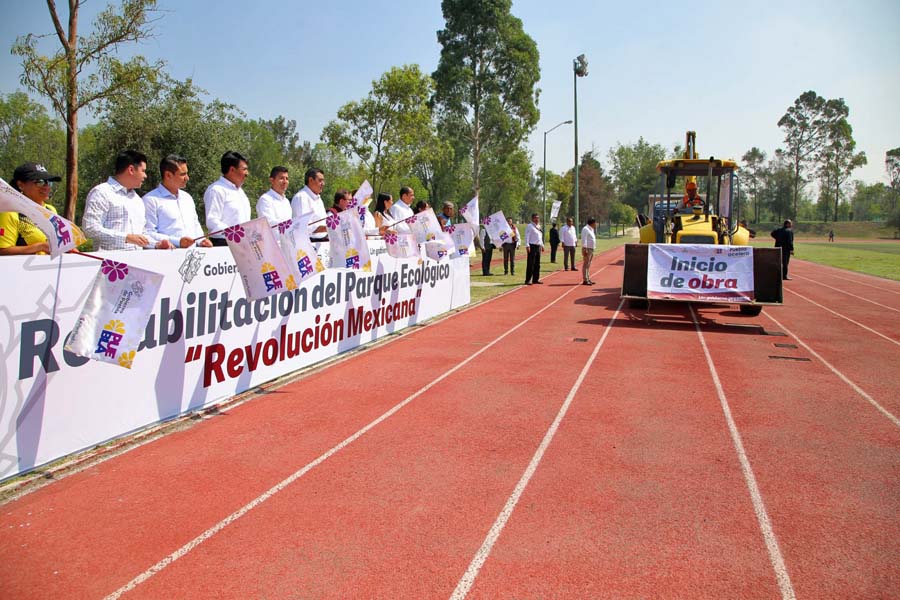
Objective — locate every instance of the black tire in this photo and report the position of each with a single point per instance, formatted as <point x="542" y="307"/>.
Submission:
<point x="751" y="309"/>
<point x="638" y="304"/>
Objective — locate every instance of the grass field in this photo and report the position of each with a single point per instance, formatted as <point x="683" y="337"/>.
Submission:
<point x="879" y="258"/>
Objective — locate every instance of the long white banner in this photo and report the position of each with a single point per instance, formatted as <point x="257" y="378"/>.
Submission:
<point x="204" y="341"/>
<point x="701" y="272"/>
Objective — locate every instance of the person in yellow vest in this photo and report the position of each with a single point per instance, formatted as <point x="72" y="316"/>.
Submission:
<point x="18" y="235"/>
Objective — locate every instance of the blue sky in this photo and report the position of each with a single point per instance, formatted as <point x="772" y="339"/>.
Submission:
<point x="657" y="69"/>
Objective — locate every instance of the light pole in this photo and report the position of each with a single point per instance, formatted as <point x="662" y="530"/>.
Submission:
<point x="579" y="68"/>
<point x="544" y="183"/>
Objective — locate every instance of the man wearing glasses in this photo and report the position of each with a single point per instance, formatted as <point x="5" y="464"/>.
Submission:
<point x="170" y="211"/>
<point x="18" y="235"/>
<point x="225" y="201"/>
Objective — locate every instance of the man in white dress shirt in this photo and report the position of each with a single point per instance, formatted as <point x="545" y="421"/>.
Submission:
<point x="169" y="210"/>
<point x="569" y="238"/>
<point x="273" y="205"/>
<point x="113" y="211"/>
<point x="588" y="243"/>
<point x="534" y="245"/>
<point x="308" y="201"/>
<point x="226" y="203"/>
<point x="403" y="209"/>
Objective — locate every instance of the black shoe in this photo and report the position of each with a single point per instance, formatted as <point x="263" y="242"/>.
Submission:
<point x="527" y="283"/>
<point x="786" y="278"/>
<point x="585" y="283"/>
<point x="539" y="282"/>
<point x="506" y="272"/>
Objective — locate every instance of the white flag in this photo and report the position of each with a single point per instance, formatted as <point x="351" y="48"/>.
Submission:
<point x="298" y="251"/>
<point x="359" y="198"/>
<point x="62" y="234"/>
<point x="424" y="225"/>
<point x="348" y="246"/>
<point x="554" y="209"/>
<point x="436" y="250"/>
<point x="401" y="245"/>
<point x="498" y="228"/>
<point x="115" y="314"/>
<point x="462" y="236"/>
<point x="469" y="211"/>
<point x="262" y="267"/>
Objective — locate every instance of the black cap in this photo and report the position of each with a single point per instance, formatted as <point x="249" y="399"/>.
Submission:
<point x="33" y="172"/>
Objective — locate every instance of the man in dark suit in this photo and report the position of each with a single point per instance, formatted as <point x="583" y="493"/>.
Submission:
<point x="784" y="239"/>
<point x="487" y="250"/>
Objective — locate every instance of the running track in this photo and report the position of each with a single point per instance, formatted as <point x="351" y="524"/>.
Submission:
<point x="550" y="443"/>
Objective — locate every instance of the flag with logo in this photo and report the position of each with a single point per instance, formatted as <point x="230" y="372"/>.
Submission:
<point x="359" y="203"/>
<point x="62" y="234"/>
<point x="401" y="245"/>
<point x="259" y="261"/>
<point x="347" y="241"/>
<point x="554" y="209"/>
<point x="115" y="314"/>
<point x="436" y="250"/>
<point x="462" y="237"/>
<point x="469" y="212"/>
<point x="299" y="253"/>
<point x="424" y="225"/>
<point x="498" y="228"/>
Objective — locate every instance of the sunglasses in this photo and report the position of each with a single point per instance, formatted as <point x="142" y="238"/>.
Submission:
<point x="42" y="182"/>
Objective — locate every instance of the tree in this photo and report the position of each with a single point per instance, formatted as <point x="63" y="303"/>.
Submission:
<point x="634" y="171"/>
<point x="485" y="82"/>
<point x="621" y="214"/>
<point x="85" y="70"/>
<point x="595" y="188"/>
<point x="385" y="130"/>
<point x="752" y="176"/>
<point x="28" y="134"/>
<point x="892" y="165"/>
<point x="837" y="160"/>
<point x="870" y="202"/>
<point x="806" y="125"/>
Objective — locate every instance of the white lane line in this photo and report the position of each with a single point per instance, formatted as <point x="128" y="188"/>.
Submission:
<point x="840" y="375"/>
<point x="468" y="578"/>
<point x="846" y="318"/>
<point x="882" y="288"/>
<point x="759" y="507"/>
<point x="168" y="560"/>
<point x="848" y="293"/>
<point x="833" y="272"/>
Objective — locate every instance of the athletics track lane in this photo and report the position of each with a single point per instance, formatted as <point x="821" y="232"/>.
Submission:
<point x="158" y="497"/>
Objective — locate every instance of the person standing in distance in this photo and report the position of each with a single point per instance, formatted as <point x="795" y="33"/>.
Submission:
<point x="554" y="242"/>
<point x="169" y="210"/>
<point x="273" y="205"/>
<point x="588" y="243"/>
<point x="569" y="241"/>
<point x="114" y="214"/>
<point x="226" y="202"/>
<point x="534" y="245"/>
<point x="308" y="201"/>
<point x="784" y="239"/>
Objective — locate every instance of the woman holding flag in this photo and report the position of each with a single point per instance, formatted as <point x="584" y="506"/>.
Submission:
<point x="18" y="235"/>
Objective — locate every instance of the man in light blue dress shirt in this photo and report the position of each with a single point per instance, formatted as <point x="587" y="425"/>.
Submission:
<point x="170" y="211"/>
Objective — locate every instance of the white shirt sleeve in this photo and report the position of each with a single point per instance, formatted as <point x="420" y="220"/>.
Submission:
<point x="214" y="202"/>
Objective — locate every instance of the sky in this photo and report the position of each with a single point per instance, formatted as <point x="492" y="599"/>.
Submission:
<point x="656" y="69"/>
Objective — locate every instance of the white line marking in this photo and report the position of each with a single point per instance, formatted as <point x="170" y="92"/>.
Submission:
<point x="765" y="525"/>
<point x="877" y="287"/>
<point x="891" y="340"/>
<point x="165" y="562"/>
<point x="844" y="378"/>
<point x="836" y="270"/>
<point x="468" y="578"/>
<point x="848" y="293"/>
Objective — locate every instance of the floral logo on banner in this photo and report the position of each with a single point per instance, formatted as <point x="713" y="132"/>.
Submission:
<point x="412" y="219"/>
<point x="332" y="221"/>
<point x="486" y="221"/>
<point x="353" y="202"/>
<point x="450" y="229"/>
<point x="126" y="359"/>
<point x="113" y="270"/>
<point x="390" y="238"/>
<point x="235" y="233"/>
<point x="284" y="226"/>
<point x="463" y="210"/>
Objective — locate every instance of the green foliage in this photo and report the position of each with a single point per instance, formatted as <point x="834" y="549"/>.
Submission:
<point x="387" y="129"/>
<point x="622" y="215"/>
<point x="595" y="190"/>
<point x="508" y="185"/>
<point x="485" y="84"/>
<point x="28" y="134"/>
<point x="85" y="69"/>
<point x="634" y="171"/>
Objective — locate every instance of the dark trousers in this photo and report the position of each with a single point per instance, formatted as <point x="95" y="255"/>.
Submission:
<point x="218" y="241"/>
<point x="509" y="258"/>
<point x="785" y="259"/>
<point x="553" y="248"/>
<point x="486" y="259"/>
<point x="568" y="254"/>
<point x="533" y="264"/>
